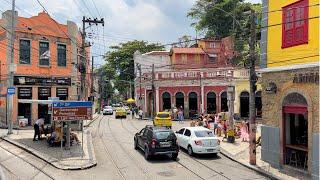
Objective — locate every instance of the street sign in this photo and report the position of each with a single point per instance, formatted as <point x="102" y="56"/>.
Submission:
<point x="11" y="91"/>
<point x="72" y="110"/>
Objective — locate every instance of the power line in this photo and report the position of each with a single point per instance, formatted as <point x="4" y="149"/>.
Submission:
<point x="272" y="25"/>
<point x="280" y="10"/>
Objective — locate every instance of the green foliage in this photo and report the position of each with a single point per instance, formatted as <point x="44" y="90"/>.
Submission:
<point x="222" y="18"/>
<point x="120" y="61"/>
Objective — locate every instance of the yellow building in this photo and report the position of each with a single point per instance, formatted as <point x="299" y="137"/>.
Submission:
<point x="290" y="83"/>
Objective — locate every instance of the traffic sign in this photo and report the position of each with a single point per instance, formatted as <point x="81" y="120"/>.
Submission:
<point x="66" y="104"/>
<point x="11" y="90"/>
<point x="72" y="110"/>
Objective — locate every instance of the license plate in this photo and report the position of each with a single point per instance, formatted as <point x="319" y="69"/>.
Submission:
<point x="209" y="150"/>
<point x="165" y="144"/>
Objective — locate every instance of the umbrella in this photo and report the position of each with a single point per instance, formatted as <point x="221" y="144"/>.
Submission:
<point x="131" y="101"/>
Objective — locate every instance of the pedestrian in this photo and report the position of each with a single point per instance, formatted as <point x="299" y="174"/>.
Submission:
<point x="39" y="123"/>
<point x="244" y="132"/>
<point x="215" y="124"/>
<point x="180" y="115"/>
<point x="140" y="113"/>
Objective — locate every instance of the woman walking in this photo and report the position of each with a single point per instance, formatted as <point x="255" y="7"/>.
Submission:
<point x="244" y="132"/>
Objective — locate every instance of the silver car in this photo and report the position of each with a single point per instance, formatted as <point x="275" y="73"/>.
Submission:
<point x="107" y="110"/>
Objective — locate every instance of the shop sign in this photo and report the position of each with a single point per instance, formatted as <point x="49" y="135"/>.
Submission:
<point x="42" y="81"/>
<point x="44" y="92"/>
<point x="306" y="78"/>
<point x="72" y="110"/>
<point x="24" y="93"/>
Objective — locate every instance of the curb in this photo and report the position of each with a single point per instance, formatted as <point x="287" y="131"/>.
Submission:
<point x="87" y="125"/>
<point x="260" y="171"/>
<point x="53" y="161"/>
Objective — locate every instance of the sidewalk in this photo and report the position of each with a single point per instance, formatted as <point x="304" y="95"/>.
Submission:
<point x="239" y="151"/>
<point x="74" y="159"/>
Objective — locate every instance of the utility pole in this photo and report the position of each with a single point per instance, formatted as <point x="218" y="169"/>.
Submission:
<point x="92" y="60"/>
<point x="10" y="70"/>
<point x="153" y="93"/>
<point x="253" y="80"/>
<point x="140" y="98"/>
<point x="83" y="62"/>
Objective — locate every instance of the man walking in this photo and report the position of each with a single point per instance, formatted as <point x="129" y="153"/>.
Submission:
<point x="180" y="114"/>
<point x="39" y="123"/>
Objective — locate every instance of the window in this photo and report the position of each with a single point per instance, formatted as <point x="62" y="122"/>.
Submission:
<point x="145" y="133"/>
<point x="184" y="58"/>
<point x="62" y="58"/>
<point x="44" y="54"/>
<point x="197" y="58"/>
<point x="295" y="24"/>
<point x="187" y="133"/>
<point x="164" y="134"/>
<point x="163" y="115"/>
<point x="212" y="58"/>
<point x="181" y="131"/>
<point x="142" y="131"/>
<point x="24" y="52"/>
<point x="212" y="45"/>
<point x="204" y="133"/>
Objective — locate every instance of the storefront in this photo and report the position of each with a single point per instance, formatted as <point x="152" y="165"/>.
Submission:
<point x="38" y="88"/>
<point x="290" y="134"/>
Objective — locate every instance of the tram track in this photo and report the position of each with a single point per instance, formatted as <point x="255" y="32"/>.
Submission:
<point x="107" y="150"/>
<point x="40" y="170"/>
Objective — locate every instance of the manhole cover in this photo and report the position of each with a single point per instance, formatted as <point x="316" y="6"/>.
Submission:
<point x="166" y="173"/>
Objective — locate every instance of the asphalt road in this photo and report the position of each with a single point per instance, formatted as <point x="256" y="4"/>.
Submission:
<point x="117" y="159"/>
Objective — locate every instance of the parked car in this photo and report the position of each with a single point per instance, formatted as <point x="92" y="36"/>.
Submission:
<point x="107" y="110"/>
<point x="115" y="106"/>
<point x="198" y="140"/>
<point x="155" y="141"/>
<point x="121" y="112"/>
<point x="127" y="109"/>
<point x="163" y="119"/>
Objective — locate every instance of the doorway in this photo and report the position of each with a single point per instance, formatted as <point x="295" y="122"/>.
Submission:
<point x="193" y="104"/>
<point x="179" y="100"/>
<point x="211" y="103"/>
<point x="224" y="102"/>
<point x="244" y="104"/>
<point x="166" y="100"/>
<point x="24" y="109"/>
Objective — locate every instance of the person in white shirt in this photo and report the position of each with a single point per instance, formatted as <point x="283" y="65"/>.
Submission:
<point x="39" y="123"/>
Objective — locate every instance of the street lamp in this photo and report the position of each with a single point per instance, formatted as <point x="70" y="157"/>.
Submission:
<point x="231" y="98"/>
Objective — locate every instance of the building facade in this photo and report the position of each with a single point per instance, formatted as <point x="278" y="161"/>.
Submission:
<point x="290" y="83"/>
<point x="45" y="58"/>
<point x="194" y="78"/>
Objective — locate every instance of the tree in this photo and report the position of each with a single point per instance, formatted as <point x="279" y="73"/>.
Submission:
<point x="222" y="18"/>
<point x="184" y="41"/>
<point x="120" y="60"/>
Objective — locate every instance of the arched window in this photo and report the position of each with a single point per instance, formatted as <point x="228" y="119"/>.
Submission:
<point x="193" y="104"/>
<point x="166" y="101"/>
<point x="179" y="100"/>
<point x="224" y="102"/>
<point x="211" y="103"/>
<point x="258" y="104"/>
<point x="244" y="104"/>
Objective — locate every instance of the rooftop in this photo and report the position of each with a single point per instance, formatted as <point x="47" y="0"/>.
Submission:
<point x="187" y="51"/>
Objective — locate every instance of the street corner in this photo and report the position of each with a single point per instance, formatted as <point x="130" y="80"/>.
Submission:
<point x="80" y="155"/>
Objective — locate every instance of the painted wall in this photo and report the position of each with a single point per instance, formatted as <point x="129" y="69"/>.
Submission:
<point x="301" y="54"/>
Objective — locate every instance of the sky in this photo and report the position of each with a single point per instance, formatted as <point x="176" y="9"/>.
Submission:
<point x="162" y="21"/>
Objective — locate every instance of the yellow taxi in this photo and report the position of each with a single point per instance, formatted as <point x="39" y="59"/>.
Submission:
<point x="121" y="112"/>
<point x="163" y="119"/>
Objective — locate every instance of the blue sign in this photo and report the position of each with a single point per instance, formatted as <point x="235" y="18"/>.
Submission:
<point x="72" y="104"/>
<point x="11" y="90"/>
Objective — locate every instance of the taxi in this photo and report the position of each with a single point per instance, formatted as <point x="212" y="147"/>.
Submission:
<point x="163" y="119"/>
<point x="121" y="112"/>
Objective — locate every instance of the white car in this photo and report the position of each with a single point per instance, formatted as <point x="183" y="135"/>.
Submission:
<point x="198" y="140"/>
<point x="107" y="110"/>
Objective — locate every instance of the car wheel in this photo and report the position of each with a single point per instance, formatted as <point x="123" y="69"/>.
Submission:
<point x="190" y="151"/>
<point x="146" y="153"/>
<point x="135" y="145"/>
<point x="174" y="156"/>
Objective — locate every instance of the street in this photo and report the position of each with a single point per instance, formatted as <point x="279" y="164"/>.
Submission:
<point x="117" y="159"/>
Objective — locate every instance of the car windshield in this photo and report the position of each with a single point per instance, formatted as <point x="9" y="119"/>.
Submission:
<point x="164" y="134"/>
<point x="163" y="115"/>
<point x="108" y="107"/>
<point x="204" y="133"/>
